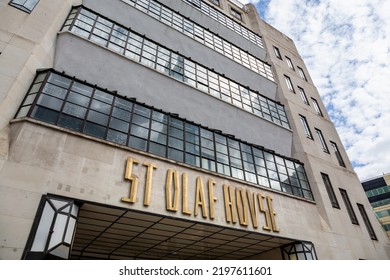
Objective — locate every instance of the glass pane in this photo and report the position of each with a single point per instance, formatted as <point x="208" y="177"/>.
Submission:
<point x="59" y="80"/>
<point x="75" y="110"/>
<point x="58" y="231"/>
<point x="117" y="137"/>
<point x="119" y="125"/>
<point x="95" y="130"/>
<point x="101" y="107"/>
<point x="42" y="232"/>
<point x="78" y="99"/>
<point x="81" y="88"/>
<point x="45" y="115"/>
<point x="97" y="117"/>
<point x="70" y="122"/>
<point x="137" y="143"/>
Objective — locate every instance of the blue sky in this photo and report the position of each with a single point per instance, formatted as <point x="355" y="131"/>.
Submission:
<point x="346" y="47"/>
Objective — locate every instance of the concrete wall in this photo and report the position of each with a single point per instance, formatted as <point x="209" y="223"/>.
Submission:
<point x="26" y="44"/>
<point x="49" y="160"/>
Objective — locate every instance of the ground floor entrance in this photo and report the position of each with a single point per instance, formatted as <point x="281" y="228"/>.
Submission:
<point x="68" y="229"/>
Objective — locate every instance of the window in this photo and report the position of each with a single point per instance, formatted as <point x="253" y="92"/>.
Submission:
<point x="317" y="107"/>
<point x="24" y="5"/>
<point x="303" y="95"/>
<point x="348" y="205"/>
<point x="236" y="14"/>
<point x="337" y="153"/>
<point x="367" y="222"/>
<point x="215" y="2"/>
<point x="140" y="49"/>
<point x="289" y="84"/>
<point x="322" y="140"/>
<point x="301" y="73"/>
<point x="299" y="251"/>
<point x="225" y="21"/>
<point x="329" y="189"/>
<point x="78" y="106"/>
<point x="289" y="63"/>
<point x="277" y="52"/>
<point x="197" y="32"/>
<point x="305" y="127"/>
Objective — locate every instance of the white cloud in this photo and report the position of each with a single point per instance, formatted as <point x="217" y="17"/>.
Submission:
<point x="346" y="47"/>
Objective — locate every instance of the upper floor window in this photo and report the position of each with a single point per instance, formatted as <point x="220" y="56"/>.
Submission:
<point x="322" y="140"/>
<point x="289" y="63"/>
<point x="303" y="95"/>
<point x="367" y="222"/>
<point x="330" y="191"/>
<point x="236" y="14"/>
<point x="277" y="53"/>
<point x="24" y="5"/>
<point x="289" y="83"/>
<point x="215" y="2"/>
<point x="305" y="127"/>
<point x="317" y="107"/>
<point x="337" y="153"/>
<point x="301" y="73"/>
<point x="348" y="205"/>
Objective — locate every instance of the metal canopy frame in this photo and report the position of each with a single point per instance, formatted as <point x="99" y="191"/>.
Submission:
<point x="112" y="233"/>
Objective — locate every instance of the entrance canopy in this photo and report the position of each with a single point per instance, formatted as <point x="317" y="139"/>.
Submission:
<point x="111" y="233"/>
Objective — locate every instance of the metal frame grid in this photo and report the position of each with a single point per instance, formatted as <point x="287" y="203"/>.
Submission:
<point x="204" y="36"/>
<point x="136" y="47"/>
<point x="300" y="250"/>
<point x="109" y="233"/>
<point x="226" y="21"/>
<point x="69" y="103"/>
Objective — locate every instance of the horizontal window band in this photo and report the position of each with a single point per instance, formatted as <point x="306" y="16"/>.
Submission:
<point x="60" y="100"/>
<point x="149" y="53"/>
<point x="191" y="29"/>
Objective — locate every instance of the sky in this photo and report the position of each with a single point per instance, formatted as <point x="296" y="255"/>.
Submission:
<point x="346" y="48"/>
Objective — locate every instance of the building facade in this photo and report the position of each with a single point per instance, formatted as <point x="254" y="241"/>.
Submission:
<point x="145" y="129"/>
<point x="378" y="193"/>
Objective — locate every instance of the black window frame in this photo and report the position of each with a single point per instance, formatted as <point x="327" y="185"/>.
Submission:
<point x="306" y="127"/>
<point x="330" y="190"/>
<point x="349" y="207"/>
<point x="303" y="96"/>
<point x="215" y="2"/>
<point x="337" y="153"/>
<point x="22" y="5"/>
<point x="289" y="84"/>
<point x="277" y="53"/>
<point x="236" y="14"/>
<point x="317" y="107"/>
<point x="366" y="221"/>
<point x="289" y="63"/>
<point x="302" y="73"/>
<point x="129" y="123"/>
<point x="322" y="140"/>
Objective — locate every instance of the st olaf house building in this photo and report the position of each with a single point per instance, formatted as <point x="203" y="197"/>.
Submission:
<point x="168" y="129"/>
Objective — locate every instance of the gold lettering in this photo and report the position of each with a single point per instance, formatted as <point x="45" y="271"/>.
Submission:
<point x="272" y="213"/>
<point x="185" y="195"/>
<point x="172" y="200"/>
<point x="212" y="198"/>
<point x="266" y="213"/>
<point x="242" y="207"/>
<point x="230" y="204"/>
<point x="252" y="208"/>
<point x="199" y="198"/>
<point x="148" y="184"/>
<point x="133" y="181"/>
